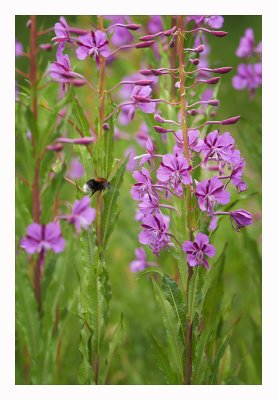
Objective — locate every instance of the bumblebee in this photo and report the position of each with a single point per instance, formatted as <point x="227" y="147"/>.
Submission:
<point x="96" y="185"/>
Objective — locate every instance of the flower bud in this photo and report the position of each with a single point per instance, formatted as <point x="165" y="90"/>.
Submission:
<point x="193" y="112"/>
<point x="213" y="102"/>
<point x="230" y="121"/>
<point x="222" y="70"/>
<point x="172" y="42"/>
<point x="170" y="31"/>
<point x="145" y="72"/>
<point x="241" y="218"/>
<point x="55" y="147"/>
<point x="194" y="61"/>
<point x="146" y="38"/>
<point x="219" y="33"/>
<point x="106" y="126"/>
<point x="213" y="81"/>
<point x="144" y="82"/>
<point x="132" y="27"/>
<point x="160" y="129"/>
<point x="200" y="48"/>
<point x="143" y="45"/>
<point x="158" y="118"/>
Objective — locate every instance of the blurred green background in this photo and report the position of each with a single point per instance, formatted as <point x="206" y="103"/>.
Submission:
<point x="134" y="362"/>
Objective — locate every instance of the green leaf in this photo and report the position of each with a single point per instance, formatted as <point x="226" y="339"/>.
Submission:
<point x="200" y="362"/>
<point x="172" y="329"/>
<point x="215" y="365"/>
<point x="115" y="342"/>
<point x="80" y="117"/>
<point x="27" y="316"/>
<point x="163" y="362"/>
<point x="110" y="209"/>
<point x="175" y="298"/>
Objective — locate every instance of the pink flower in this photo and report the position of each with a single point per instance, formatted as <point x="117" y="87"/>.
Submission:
<point x="197" y="250"/>
<point x="41" y="238"/>
<point x="76" y="169"/>
<point x="82" y="214"/>
<point x="143" y="185"/>
<point x="93" y="44"/>
<point x="210" y="192"/>
<point x="174" y="169"/>
<point x="154" y="232"/>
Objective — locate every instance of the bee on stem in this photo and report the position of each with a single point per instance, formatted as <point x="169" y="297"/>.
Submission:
<point x="96" y="185"/>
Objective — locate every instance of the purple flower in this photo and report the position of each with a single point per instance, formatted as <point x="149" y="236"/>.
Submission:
<point x="248" y="76"/>
<point x="154" y="232"/>
<point x="143" y="185"/>
<point x="246" y="45"/>
<point x="62" y="31"/>
<point x="213" y="21"/>
<point x="194" y="142"/>
<point x="121" y="35"/>
<point x="40" y="238"/>
<point x="155" y="24"/>
<point x="82" y="214"/>
<point x="93" y="44"/>
<point x="76" y="169"/>
<point x="140" y="263"/>
<point x="150" y="152"/>
<point x="132" y="163"/>
<point x="220" y="147"/>
<point x="60" y="70"/>
<point x="149" y="204"/>
<point x="209" y="192"/>
<point x="241" y="218"/>
<point x="174" y="169"/>
<point x="18" y="49"/>
<point x="236" y="176"/>
<point x="140" y="98"/>
<point x="197" y="250"/>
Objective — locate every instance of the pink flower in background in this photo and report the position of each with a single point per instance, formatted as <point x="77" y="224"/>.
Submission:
<point x="76" y="169"/>
<point x="195" y="143"/>
<point x="140" y="263"/>
<point x="210" y="192"/>
<point x="82" y="214"/>
<point x="142" y="134"/>
<point x="18" y="49"/>
<point x="62" y="31"/>
<point x="246" y="45"/>
<point x="140" y="98"/>
<point x="249" y="76"/>
<point x="213" y="21"/>
<point x="197" y="250"/>
<point x="41" y="238"/>
<point x="93" y="44"/>
<point x="131" y="164"/>
<point x="120" y="35"/>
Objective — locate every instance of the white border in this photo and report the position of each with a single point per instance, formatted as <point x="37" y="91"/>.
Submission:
<point x="63" y="7"/>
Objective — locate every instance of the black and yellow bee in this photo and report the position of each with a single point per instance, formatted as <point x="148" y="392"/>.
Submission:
<point x="96" y="185"/>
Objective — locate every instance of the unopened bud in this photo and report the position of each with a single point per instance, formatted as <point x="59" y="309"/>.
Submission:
<point x="193" y="112"/>
<point x="222" y="70"/>
<point x="145" y="72"/>
<point x="212" y="81"/>
<point x="143" y="82"/>
<point x="170" y="31"/>
<point x="213" y="102"/>
<point x="219" y="33"/>
<point x="133" y="27"/>
<point x="158" y="118"/>
<point x="160" y="129"/>
<point x="146" y="38"/>
<point x="230" y="121"/>
<point x="143" y="45"/>
<point x="194" y="61"/>
<point x="200" y="48"/>
<point x="46" y="46"/>
<point x="172" y="42"/>
<point x="106" y="126"/>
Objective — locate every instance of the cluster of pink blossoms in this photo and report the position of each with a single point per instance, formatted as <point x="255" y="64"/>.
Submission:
<point x="169" y="174"/>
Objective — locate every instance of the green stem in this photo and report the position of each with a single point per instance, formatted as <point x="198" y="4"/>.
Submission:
<point x="182" y="74"/>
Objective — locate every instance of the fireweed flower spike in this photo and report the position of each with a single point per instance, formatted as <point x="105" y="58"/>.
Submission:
<point x="41" y="238"/>
<point x="198" y="249"/>
<point x="94" y="44"/>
